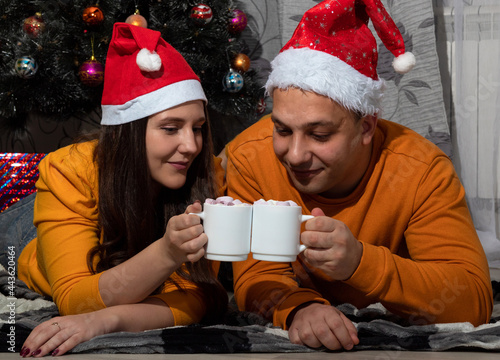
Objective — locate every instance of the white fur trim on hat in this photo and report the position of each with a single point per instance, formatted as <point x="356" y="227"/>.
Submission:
<point x="148" y="60"/>
<point x="327" y="75"/>
<point x="153" y="102"/>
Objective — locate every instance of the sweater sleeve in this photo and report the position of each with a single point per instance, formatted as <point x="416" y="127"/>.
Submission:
<point x="185" y="299"/>
<point x="220" y="175"/>
<point x="445" y="277"/>
<point x="266" y="288"/>
<point x="66" y="220"/>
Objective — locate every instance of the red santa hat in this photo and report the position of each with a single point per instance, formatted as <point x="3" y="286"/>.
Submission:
<point x="334" y="53"/>
<point x="144" y="75"/>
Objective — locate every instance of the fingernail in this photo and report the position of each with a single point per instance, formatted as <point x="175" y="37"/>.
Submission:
<point x="35" y="353"/>
<point x="55" y="352"/>
<point x="24" y="351"/>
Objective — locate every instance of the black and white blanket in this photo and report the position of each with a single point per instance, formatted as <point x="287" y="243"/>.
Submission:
<point x="22" y="309"/>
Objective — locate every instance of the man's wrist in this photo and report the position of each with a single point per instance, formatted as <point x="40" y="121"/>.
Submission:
<point x="292" y="314"/>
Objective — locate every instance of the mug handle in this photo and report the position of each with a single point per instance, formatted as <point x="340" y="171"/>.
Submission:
<point x="302" y="219"/>
<point x="200" y="214"/>
<point x="306" y="217"/>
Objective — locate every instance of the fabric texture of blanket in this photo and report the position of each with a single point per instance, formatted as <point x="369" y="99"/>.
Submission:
<point x="22" y="309"/>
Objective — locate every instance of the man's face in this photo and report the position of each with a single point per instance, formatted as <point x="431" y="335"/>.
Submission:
<point x="323" y="147"/>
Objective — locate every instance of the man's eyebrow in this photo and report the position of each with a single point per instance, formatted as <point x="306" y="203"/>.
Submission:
<point x="312" y="124"/>
<point x="275" y="120"/>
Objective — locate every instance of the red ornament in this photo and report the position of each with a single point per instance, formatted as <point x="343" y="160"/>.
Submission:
<point x="93" y="16"/>
<point x="201" y="14"/>
<point x="34" y="25"/>
<point x="137" y="20"/>
<point x="91" y="72"/>
<point x="238" y="21"/>
<point x="261" y="106"/>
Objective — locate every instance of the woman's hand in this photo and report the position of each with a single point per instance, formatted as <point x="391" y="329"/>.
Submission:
<point x="184" y="239"/>
<point x="61" y="334"/>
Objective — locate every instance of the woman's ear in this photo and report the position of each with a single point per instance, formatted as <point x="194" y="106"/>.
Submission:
<point x="368" y="124"/>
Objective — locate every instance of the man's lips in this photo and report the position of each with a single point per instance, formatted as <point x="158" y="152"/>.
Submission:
<point x="304" y="173"/>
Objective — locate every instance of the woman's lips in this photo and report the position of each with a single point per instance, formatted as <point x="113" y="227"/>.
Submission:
<point x="179" y="165"/>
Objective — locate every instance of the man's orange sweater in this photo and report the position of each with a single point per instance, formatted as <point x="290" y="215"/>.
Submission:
<point x="422" y="258"/>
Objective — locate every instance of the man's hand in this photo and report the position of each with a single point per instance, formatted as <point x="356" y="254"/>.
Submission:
<point x="331" y="246"/>
<point x="318" y="325"/>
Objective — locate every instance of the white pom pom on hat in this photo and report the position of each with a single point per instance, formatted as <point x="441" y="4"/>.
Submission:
<point x="404" y="63"/>
<point x="148" y="61"/>
<point x="339" y="30"/>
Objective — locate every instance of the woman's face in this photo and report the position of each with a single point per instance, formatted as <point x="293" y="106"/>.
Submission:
<point x="173" y="140"/>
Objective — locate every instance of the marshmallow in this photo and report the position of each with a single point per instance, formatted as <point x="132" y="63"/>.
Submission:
<point x="275" y="202"/>
<point x="225" y="201"/>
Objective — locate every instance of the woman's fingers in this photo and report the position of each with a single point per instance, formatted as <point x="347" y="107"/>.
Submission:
<point x="34" y="344"/>
<point x="59" y="335"/>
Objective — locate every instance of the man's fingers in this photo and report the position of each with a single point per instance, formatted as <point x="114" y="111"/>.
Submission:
<point x="339" y="327"/>
<point x="351" y="328"/>
<point x="293" y="335"/>
<point x="308" y="337"/>
<point x="321" y="223"/>
<point x="317" y="212"/>
<point x="326" y="337"/>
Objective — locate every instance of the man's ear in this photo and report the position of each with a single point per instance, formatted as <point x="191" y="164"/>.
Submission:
<point x="368" y="124"/>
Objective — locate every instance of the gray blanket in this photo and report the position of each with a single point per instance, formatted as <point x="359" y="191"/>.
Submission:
<point x="22" y="309"/>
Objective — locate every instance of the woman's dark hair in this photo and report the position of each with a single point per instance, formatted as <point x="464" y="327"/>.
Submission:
<point x="132" y="215"/>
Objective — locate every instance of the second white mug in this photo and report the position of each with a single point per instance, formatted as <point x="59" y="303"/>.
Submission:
<point x="276" y="232"/>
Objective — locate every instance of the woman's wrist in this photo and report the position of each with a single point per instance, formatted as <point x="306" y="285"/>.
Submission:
<point x="169" y="263"/>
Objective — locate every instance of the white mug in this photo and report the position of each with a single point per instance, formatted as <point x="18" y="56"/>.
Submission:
<point x="276" y="232"/>
<point x="228" y="229"/>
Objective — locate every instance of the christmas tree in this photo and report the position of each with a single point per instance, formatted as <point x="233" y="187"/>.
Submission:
<point x="52" y="53"/>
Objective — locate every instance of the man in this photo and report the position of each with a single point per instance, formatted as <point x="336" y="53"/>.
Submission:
<point x="391" y="222"/>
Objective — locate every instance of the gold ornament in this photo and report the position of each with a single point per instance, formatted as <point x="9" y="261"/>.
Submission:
<point x="137" y="19"/>
<point x="241" y="62"/>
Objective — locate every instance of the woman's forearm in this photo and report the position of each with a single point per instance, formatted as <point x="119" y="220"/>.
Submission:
<point x="133" y="280"/>
<point x="150" y="314"/>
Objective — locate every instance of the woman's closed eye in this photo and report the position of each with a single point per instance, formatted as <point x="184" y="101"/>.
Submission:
<point x="197" y="129"/>
<point x="170" y="129"/>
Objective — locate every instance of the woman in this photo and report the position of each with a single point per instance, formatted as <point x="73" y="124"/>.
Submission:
<point x="112" y="250"/>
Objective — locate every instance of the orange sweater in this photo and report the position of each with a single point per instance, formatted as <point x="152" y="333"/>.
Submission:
<point x="422" y="258"/>
<point x="55" y="263"/>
